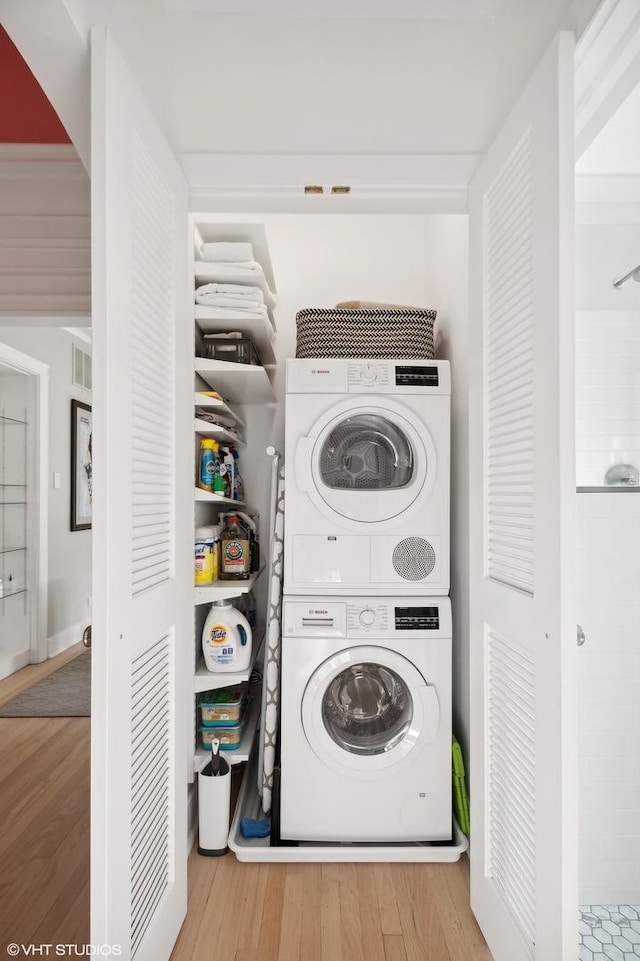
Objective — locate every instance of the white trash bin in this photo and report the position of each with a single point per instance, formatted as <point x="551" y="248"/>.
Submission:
<point x="214" y="803"/>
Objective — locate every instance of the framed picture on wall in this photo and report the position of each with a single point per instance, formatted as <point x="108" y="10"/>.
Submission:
<point x="81" y="466"/>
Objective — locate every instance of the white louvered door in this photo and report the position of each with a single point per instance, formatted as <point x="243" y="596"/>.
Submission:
<point x="142" y="550"/>
<point x="523" y="630"/>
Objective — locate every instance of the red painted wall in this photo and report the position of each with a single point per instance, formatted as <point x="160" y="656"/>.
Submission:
<point x="26" y="116"/>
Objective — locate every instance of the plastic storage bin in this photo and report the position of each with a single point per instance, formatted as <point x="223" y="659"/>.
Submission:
<point x="236" y="350"/>
<point x="228" y="735"/>
<point x="222" y="708"/>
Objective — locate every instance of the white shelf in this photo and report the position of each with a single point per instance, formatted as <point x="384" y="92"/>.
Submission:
<point x="243" y="751"/>
<point x="212" y="403"/>
<point x="241" y="383"/>
<point x="205" y="429"/>
<point x="218" y="590"/>
<point x="207" y="498"/>
<point x="257" y="327"/>
<point x="204" y="680"/>
<point x="215" y="230"/>
<point x="12" y="592"/>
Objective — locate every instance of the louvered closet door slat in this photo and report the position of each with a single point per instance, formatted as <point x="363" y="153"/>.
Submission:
<point x="152" y="336"/>
<point x="143" y="380"/>
<point x="520" y="531"/>
<point x="150" y="703"/>
<point x="511" y="746"/>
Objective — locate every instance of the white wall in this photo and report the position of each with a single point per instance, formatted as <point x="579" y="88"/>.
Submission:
<point x="608" y="563"/>
<point x="69" y="551"/>
<point x="319" y="260"/>
<point x="609" y="611"/>
<point x="607" y="392"/>
<point x="607" y="351"/>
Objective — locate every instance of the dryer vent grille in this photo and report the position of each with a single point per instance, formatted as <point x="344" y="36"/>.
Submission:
<point x="414" y="558"/>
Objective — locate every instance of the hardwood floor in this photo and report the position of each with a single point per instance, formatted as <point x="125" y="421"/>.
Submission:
<point x="328" y="912"/>
<point x="44" y="812"/>
<point x="237" y="911"/>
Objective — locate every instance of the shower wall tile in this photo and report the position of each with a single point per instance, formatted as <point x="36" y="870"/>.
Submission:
<point x="607" y="392"/>
<point x="608" y="568"/>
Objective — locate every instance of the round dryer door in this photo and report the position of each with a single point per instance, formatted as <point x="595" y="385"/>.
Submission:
<point x="368" y="463"/>
<point x="367" y="709"/>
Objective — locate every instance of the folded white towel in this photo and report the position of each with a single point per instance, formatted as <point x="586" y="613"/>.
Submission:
<point x="230" y="290"/>
<point x="218" y="311"/>
<point x="249" y="273"/>
<point x="230" y="266"/>
<point x="232" y="303"/>
<point x="227" y="253"/>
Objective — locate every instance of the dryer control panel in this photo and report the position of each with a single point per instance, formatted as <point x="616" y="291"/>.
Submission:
<point x="367" y="376"/>
<point x="366" y="617"/>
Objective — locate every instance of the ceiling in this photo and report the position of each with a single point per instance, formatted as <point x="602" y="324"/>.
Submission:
<point x="412" y="9"/>
<point x="338" y="76"/>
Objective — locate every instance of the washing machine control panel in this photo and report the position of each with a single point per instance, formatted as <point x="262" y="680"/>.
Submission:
<point x="369" y="375"/>
<point x="417" y="618"/>
<point x="366" y="617"/>
<point x="370" y="619"/>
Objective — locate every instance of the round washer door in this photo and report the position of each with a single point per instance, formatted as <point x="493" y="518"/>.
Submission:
<point x="366" y="709"/>
<point x="370" y="461"/>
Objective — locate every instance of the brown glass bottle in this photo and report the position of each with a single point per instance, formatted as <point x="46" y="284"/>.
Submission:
<point x="235" y="559"/>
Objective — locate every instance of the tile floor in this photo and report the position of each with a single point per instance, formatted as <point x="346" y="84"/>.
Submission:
<point x="609" y="932"/>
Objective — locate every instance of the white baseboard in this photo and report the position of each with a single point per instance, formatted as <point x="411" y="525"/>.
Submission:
<point x="12" y="663"/>
<point x="59" y="642"/>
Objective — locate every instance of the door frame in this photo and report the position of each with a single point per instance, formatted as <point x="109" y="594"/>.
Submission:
<point x="37" y="479"/>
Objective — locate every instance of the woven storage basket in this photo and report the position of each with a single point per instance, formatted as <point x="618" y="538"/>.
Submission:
<point x="384" y="333"/>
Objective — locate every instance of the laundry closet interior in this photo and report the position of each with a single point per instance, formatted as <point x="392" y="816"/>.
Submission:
<point x="453" y="124"/>
<point x="319" y="259"/>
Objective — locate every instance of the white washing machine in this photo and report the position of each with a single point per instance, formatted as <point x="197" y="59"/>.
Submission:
<point x="366" y="719"/>
<point x="367" y="470"/>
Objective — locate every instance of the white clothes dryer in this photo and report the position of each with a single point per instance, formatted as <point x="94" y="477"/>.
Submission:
<point x="366" y="719"/>
<point x="367" y="474"/>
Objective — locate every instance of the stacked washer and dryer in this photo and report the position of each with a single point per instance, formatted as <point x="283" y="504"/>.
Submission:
<point x="366" y="625"/>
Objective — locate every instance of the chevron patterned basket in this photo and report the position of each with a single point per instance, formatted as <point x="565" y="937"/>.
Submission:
<point x="382" y="333"/>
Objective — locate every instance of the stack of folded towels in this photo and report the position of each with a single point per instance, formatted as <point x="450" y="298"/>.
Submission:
<point x="236" y="282"/>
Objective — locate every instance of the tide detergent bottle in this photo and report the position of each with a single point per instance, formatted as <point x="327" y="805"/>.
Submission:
<point x="226" y="639"/>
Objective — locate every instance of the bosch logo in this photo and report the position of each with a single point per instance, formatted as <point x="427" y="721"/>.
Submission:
<point x="320" y="371"/>
<point x="314" y="611"/>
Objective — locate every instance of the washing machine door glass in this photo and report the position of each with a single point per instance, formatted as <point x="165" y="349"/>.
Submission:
<point x="366" y="452"/>
<point x="367" y="709"/>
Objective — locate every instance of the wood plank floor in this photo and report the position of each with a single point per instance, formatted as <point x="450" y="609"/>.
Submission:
<point x="237" y="912"/>
<point x="328" y="912"/>
<point x="44" y="812"/>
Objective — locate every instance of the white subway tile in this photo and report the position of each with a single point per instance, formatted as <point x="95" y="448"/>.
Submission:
<point x="608" y="717"/>
<point x="605" y="744"/>
<point x="602" y="691"/>
<point x="601" y="665"/>
<point x="603" y="798"/>
<point x="611" y="821"/>
<point x="606" y="847"/>
<point x="614" y="894"/>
